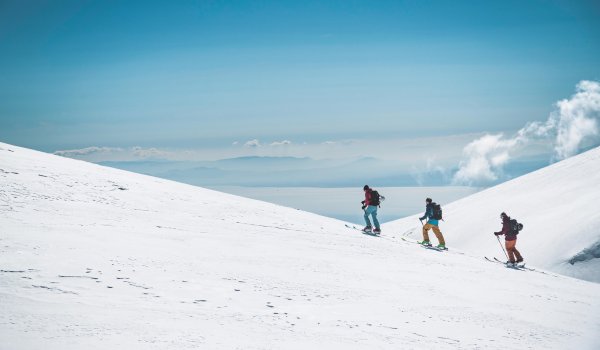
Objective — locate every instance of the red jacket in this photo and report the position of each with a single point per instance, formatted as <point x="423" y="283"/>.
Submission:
<point x="506" y="231"/>
<point x="368" y="197"/>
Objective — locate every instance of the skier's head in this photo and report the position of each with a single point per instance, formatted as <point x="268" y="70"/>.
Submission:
<point x="428" y="200"/>
<point x="503" y="215"/>
<point x="366" y="188"/>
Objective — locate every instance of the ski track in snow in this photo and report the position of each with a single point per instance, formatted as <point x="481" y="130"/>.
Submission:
<point x="98" y="258"/>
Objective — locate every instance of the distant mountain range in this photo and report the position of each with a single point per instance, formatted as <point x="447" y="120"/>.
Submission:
<point x="299" y="172"/>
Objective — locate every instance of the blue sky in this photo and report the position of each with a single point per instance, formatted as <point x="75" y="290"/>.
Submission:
<point x="209" y="76"/>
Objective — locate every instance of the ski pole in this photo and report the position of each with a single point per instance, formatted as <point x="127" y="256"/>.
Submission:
<point x="502" y="247"/>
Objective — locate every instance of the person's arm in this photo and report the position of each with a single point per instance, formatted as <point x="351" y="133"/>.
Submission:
<point x="424" y="215"/>
<point x="505" y="228"/>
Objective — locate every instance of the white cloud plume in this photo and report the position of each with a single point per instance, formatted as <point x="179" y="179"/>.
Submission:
<point x="485" y="158"/>
<point x="255" y="143"/>
<point x="252" y="144"/>
<point x="140" y="152"/>
<point x="96" y="154"/>
<point x="573" y="123"/>
<point x="577" y="119"/>
<point x="281" y="143"/>
<point x="431" y="168"/>
<point x="74" y="153"/>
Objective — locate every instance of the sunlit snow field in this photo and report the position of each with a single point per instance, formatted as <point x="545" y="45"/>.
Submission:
<point x="98" y="258"/>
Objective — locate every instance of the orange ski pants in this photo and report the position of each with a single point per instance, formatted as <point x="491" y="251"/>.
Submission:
<point x="512" y="251"/>
<point x="437" y="232"/>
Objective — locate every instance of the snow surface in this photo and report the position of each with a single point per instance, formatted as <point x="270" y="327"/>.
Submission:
<point x="558" y="206"/>
<point x="99" y="258"/>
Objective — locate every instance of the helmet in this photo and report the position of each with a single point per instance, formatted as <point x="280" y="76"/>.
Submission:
<point x="366" y="187"/>
<point x="503" y="215"/>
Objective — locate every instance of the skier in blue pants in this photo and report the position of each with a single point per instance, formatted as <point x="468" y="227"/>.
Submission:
<point x="370" y="205"/>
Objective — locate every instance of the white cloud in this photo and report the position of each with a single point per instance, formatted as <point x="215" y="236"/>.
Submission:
<point x="432" y="167"/>
<point x="281" y="143"/>
<point x="577" y="119"/>
<point x="574" y="122"/>
<point x="252" y="144"/>
<point x="98" y="154"/>
<point x="140" y="152"/>
<point x="74" y="153"/>
<point x="485" y="158"/>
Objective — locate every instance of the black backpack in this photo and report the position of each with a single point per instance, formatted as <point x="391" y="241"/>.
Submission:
<point x="437" y="211"/>
<point x="515" y="227"/>
<point x="375" y="198"/>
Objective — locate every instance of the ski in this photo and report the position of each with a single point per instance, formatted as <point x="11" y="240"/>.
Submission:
<point x="516" y="267"/>
<point x="490" y="260"/>
<point x="434" y="248"/>
<point x="368" y="233"/>
<point x="424" y="246"/>
<point x="519" y="266"/>
<point x="409" y="240"/>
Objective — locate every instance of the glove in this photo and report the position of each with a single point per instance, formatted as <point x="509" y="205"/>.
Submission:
<point x="497" y="233"/>
<point x="363" y="202"/>
<point x="363" y="207"/>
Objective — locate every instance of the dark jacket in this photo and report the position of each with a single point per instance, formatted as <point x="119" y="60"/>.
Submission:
<point x="506" y="231"/>
<point x="429" y="215"/>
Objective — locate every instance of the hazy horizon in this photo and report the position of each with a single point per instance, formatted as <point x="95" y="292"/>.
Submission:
<point x="344" y="203"/>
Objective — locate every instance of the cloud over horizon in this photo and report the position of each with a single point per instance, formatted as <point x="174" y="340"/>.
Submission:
<point x="74" y="153"/>
<point x="96" y="154"/>
<point x="572" y="125"/>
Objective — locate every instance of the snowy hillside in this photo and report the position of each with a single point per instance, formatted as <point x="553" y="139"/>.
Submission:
<point x="98" y="258"/>
<point x="558" y="206"/>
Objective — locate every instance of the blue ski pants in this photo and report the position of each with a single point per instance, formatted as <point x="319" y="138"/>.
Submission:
<point x="371" y="210"/>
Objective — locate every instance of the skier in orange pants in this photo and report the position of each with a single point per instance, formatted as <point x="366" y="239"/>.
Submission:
<point x="510" y="238"/>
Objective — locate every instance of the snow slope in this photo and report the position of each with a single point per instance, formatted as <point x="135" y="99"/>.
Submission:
<point x="98" y="258"/>
<point x="558" y="206"/>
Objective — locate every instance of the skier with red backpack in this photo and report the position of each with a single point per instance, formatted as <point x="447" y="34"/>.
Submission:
<point x="510" y="229"/>
<point x="370" y="205"/>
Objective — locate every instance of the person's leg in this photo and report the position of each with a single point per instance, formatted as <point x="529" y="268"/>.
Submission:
<point x="426" y="228"/>
<point x="374" y="215"/>
<point x="517" y="254"/>
<point x="510" y="247"/>
<point x="438" y="234"/>
<point x="367" y="221"/>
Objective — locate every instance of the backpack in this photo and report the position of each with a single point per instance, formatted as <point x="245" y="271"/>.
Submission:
<point x="375" y="198"/>
<point x="515" y="227"/>
<point x="437" y="211"/>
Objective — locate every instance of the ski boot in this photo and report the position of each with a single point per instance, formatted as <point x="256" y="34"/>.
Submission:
<point x="367" y="229"/>
<point x="441" y="246"/>
<point x="377" y="231"/>
<point x="425" y="243"/>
